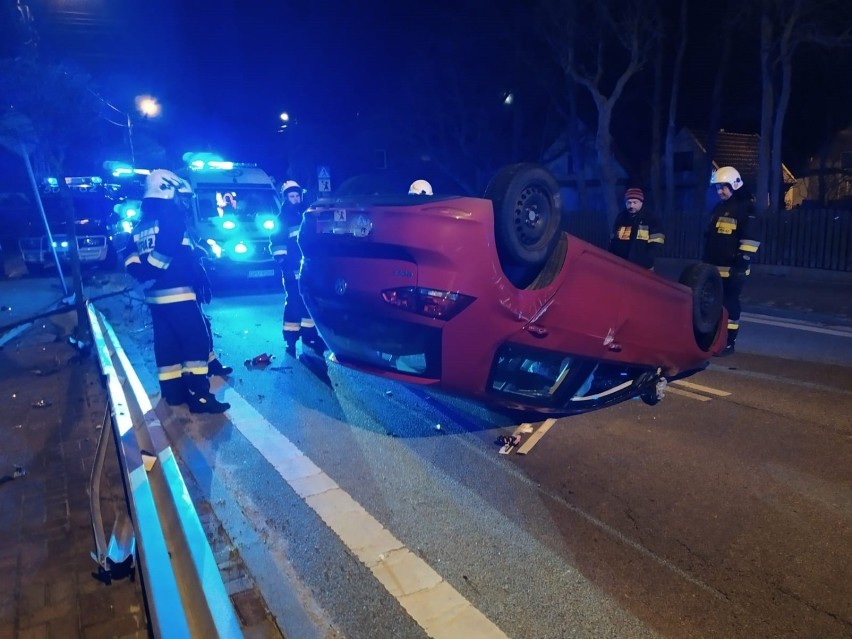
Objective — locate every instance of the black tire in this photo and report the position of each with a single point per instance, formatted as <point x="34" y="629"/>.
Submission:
<point x="706" y="285"/>
<point x="527" y="214"/>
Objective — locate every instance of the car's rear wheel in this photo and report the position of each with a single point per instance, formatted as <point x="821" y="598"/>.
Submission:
<point x="527" y="217"/>
<point x="706" y="285"/>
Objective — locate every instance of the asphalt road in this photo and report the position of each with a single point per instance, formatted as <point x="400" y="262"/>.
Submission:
<point x="365" y="508"/>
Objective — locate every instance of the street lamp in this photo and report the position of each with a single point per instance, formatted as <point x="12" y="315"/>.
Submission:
<point x="149" y="108"/>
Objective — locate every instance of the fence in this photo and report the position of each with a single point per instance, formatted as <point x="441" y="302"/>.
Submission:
<point x="803" y="238"/>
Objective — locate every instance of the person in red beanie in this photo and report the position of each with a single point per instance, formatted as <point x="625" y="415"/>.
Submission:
<point x="637" y="234"/>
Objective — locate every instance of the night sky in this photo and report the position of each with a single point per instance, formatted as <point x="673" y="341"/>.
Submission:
<point x="224" y="69"/>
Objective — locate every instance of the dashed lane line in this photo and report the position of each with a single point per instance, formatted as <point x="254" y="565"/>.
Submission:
<point x="432" y="603"/>
<point x="536" y="436"/>
<point x="683" y="393"/>
<point x="699" y="387"/>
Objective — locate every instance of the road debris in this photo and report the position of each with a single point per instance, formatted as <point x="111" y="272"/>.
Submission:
<point x="42" y="403"/>
<point x="261" y="361"/>
<point x="507" y="443"/>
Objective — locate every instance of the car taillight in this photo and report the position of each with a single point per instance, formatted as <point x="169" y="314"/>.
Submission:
<point x="427" y="301"/>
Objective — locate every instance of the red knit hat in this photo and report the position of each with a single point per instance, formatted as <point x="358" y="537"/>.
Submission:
<point x="634" y="193"/>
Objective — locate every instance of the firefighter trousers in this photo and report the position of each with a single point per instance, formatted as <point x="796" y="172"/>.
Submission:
<point x="297" y="321"/>
<point x="732" y="288"/>
<point x="181" y="349"/>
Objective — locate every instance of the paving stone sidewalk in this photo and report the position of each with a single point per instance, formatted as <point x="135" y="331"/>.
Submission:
<point x="52" y="416"/>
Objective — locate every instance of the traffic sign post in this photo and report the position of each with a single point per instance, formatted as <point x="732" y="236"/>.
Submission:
<point x="324" y="179"/>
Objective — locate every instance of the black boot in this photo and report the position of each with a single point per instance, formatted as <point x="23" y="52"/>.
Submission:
<point x="200" y="399"/>
<point x="316" y="345"/>
<point x="208" y="403"/>
<point x="311" y="339"/>
<point x="732" y="339"/>
<point x="290" y="343"/>
<point x="173" y="391"/>
<point x="215" y="367"/>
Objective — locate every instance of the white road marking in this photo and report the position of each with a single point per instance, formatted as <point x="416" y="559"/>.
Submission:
<point x="536" y="436"/>
<point x="434" y="604"/>
<point x="683" y="393"/>
<point x="839" y="331"/>
<point x="699" y="387"/>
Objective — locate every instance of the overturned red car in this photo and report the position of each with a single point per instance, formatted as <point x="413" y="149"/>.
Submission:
<point x="489" y="299"/>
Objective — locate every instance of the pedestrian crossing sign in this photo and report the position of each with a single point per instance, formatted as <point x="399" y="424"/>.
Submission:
<point x="323" y="173"/>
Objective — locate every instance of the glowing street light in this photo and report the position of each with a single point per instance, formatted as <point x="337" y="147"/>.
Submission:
<point x="147" y="106"/>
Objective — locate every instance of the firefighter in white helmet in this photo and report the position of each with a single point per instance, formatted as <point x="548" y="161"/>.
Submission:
<point x="284" y="247"/>
<point x="420" y="187"/>
<point x="730" y="241"/>
<point x="161" y="257"/>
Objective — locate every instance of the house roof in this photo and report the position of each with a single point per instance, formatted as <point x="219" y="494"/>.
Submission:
<point x="739" y="150"/>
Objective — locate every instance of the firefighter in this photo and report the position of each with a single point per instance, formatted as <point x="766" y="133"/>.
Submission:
<point x="730" y="241"/>
<point x="285" y="249"/>
<point x="161" y="257"/>
<point x="637" y="234"/>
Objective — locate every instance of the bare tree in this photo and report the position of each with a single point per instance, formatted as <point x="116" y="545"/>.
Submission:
<point x="601" y="45"/>
<point x="657" y="111"/>
<point x="786" y="26"/>
<point x="668" y="161"/>
<point x="47" y="109"/>
<point x="731" y="15"/>
<point x="459" y="114"/>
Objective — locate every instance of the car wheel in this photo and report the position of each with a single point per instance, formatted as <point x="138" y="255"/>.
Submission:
<point x="527" y="215"/>
<point x="706" y="285"/>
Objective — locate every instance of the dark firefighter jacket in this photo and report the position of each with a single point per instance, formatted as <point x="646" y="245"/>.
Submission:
<point x="160" y="252"/>
<point x="637" y="238"/>
<point x="731" y="237"/>
<point x="283" y="243"/>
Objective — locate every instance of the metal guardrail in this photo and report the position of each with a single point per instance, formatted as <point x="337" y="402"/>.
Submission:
<point x="184" y="590"/>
